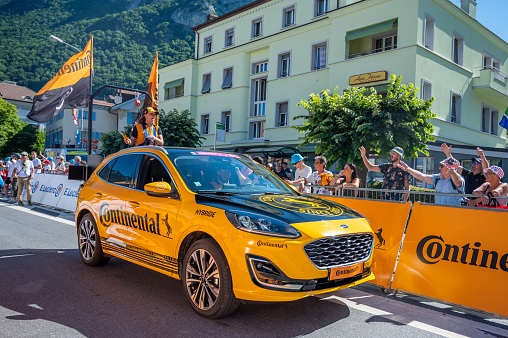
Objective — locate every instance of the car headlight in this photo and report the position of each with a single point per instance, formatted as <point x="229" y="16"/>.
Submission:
<point x="262" y="225"/>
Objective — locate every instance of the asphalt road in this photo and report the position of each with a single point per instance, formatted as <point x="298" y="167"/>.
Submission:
<point x="46" y="291"/>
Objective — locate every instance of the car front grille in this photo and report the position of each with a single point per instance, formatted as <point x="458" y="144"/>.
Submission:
<point x="339" y="250"/>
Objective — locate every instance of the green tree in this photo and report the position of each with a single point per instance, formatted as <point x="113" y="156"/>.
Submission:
<point x="26" y="139"/>
<point x="341" y="124"/>
<point x="179" y="129"/>
<point x="113" y="141"/>
<point x="10" y="125"/>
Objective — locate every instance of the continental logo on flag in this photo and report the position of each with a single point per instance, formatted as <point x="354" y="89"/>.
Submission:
<point x="69" y="89"/>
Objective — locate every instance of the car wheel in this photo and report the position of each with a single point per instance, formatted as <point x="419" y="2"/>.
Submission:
<point x="207" y="280"/>
<point x="89" y="242"/>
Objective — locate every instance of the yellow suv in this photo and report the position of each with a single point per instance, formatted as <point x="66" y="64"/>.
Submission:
<point x="225" y="225"/>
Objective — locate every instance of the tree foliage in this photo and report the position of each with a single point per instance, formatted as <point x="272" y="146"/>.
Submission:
<point x="179" y="129"/>
<point x="341" y="124"/>
<point x="10" y="126"/>
<point x="113" y="141"/>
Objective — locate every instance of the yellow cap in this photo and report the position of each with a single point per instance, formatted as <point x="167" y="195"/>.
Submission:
<point x="151" y="110"/>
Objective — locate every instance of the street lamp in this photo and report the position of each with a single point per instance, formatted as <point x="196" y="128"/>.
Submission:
<point x="57" y="39"/>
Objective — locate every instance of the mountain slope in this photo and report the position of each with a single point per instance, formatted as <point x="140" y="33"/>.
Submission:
<point x="126" y="35"/>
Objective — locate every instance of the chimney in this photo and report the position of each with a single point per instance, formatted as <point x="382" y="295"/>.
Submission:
<point x="211" y="16"/>
<point x="469" y="6"/>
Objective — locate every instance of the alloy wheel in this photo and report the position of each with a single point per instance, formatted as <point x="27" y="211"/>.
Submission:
<point x="202" y="279"/>
<point x="87" y="239"/>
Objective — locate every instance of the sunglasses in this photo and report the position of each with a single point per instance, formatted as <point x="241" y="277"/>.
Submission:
<point x="475" y="162"/>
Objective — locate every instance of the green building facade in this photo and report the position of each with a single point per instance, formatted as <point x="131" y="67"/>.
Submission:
<point x="253" y="65"/>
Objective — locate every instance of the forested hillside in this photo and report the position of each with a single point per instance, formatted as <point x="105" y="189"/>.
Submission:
<point x="126" y="35"/>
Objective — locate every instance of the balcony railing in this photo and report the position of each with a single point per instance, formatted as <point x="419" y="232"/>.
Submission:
<point x="369" y="52"/>
<point x="495" y="73"/>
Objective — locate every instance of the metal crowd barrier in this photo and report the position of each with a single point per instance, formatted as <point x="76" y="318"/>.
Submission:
<point x="392" y="195"/>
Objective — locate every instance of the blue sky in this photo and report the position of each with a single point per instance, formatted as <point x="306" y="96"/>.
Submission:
<point x="493" y="15"/>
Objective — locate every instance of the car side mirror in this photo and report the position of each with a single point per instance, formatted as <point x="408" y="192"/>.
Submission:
<point x="159" y="189"/>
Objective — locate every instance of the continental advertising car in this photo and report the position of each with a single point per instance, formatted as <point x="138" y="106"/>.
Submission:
<point x="226" y="226"/>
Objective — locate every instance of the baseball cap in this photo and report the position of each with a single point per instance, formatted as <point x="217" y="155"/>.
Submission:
<point x="17" y="155"/>
<point x="151" y="110"/>
<point x="398" y="150"/>
<point x="46" y="162"/>
<point x="61" y="157"/>
<point x="50" y="159"/>
<point x="296" y="158"/>
<point x="497" y="170"/>
<point x="476" y="159"/>
<point x="24" y="153"/>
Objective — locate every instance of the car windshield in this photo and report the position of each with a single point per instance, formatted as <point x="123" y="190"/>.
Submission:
<point x="226" y="173"/>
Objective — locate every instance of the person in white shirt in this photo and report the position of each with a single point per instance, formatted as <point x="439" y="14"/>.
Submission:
<point x="315" y="179"/>
<point x="36" y="162"/>
<point x="47" y="166"/>
<point x="302" y="172"/>
<point x="24" y="171"/>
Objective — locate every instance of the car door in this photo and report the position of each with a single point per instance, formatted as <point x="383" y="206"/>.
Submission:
<point x="118" y="179"/>
<point x="153" y="217"/>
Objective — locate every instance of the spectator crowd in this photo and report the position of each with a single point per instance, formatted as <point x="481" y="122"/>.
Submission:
<point x="17" y="172"/>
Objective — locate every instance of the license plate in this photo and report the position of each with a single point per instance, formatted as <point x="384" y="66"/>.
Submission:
<point x="345" y="271"/>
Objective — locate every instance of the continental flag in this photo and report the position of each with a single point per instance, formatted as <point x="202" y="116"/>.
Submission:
<point x="70" y="88"/>
<point x="153" y="88"/>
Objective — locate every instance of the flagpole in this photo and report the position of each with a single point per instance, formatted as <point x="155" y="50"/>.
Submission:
<point x="90" y="106"/>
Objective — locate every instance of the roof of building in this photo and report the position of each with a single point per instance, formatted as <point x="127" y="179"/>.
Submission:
<point x="103" y="103"/>
<point x="9" y="90"/>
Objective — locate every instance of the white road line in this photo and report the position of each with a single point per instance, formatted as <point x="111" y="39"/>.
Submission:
<point x="430" y="320"/>
<point x="39" y="214"/>
<point x="13" y="256"/>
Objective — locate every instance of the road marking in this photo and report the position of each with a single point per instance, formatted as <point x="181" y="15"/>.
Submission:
<point x="13" y="256"/>
<point x="39" y="214"/>
<point x="393" y="317"/>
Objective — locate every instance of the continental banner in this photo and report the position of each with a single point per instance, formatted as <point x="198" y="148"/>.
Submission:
<point x="70" y="88"/>
<point x="388" y="220"/>
<point x="458" y="255"/>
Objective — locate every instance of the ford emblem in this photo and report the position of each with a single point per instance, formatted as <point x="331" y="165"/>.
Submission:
<point x="344" y="226"/>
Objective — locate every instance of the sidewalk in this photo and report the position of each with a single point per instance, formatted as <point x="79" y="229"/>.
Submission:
<point x="41" y="208"/>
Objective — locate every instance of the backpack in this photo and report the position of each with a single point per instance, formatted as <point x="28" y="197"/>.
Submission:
<point x="451" y="181"/>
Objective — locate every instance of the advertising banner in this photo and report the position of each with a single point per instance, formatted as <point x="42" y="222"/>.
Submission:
<point x="55" y="190"/>
<point x="388" y="220"/>
<point x="458" y="255"/>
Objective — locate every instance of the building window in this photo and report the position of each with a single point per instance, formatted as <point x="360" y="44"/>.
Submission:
<point x="207" y="45"/>
<point x="226" y="120"/>
<point x="458" y="50"/>
<point x="284" y="65"/>
<point x="131" y="118"/>
<point x="426" y="90"/>
<point x="490" y="119"/>
<point x="320" y="7"/>
<point x="257" y="27"/>
<point x="229" y="39"/>
<point x="257" y="129"/>
<point x="385" y="43"/>
<point x="259" y="97"/>
<point x="207" y="79"/>
<point x="490" y="63"/>
<point x="319" y="56"/>
<point x="173" y="89"/>
<point x="288" y="16"/>
<point x="227" y="78"/>
<point x="425" y="165"/>
<point x="259" y="67"/>
<point x="282" y="114"/>
<point x="456" y="108"/>
<point x="429" y="33"/>
<point x="205" y="124"/>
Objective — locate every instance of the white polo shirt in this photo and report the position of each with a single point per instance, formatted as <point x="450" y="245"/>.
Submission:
<point x="24" y="169"/>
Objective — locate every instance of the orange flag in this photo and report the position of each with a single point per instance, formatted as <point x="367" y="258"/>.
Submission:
<point x="70" y="88"/>
<point x="153" y="88"/>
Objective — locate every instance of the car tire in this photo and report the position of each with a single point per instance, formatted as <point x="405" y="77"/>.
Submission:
<point x="207" y="280"/>
<point x="89" y="242"/>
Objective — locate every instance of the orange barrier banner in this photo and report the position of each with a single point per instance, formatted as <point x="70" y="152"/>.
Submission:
<point x="388" y="220"/>
<point x="458" y="255"/>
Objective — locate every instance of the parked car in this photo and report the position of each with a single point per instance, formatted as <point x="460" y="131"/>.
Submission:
<point x="226" y="226"/>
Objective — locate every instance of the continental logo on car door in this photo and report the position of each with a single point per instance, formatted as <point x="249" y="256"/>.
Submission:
<point x="147" y="223"/>
<point x="302" y="205"/>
